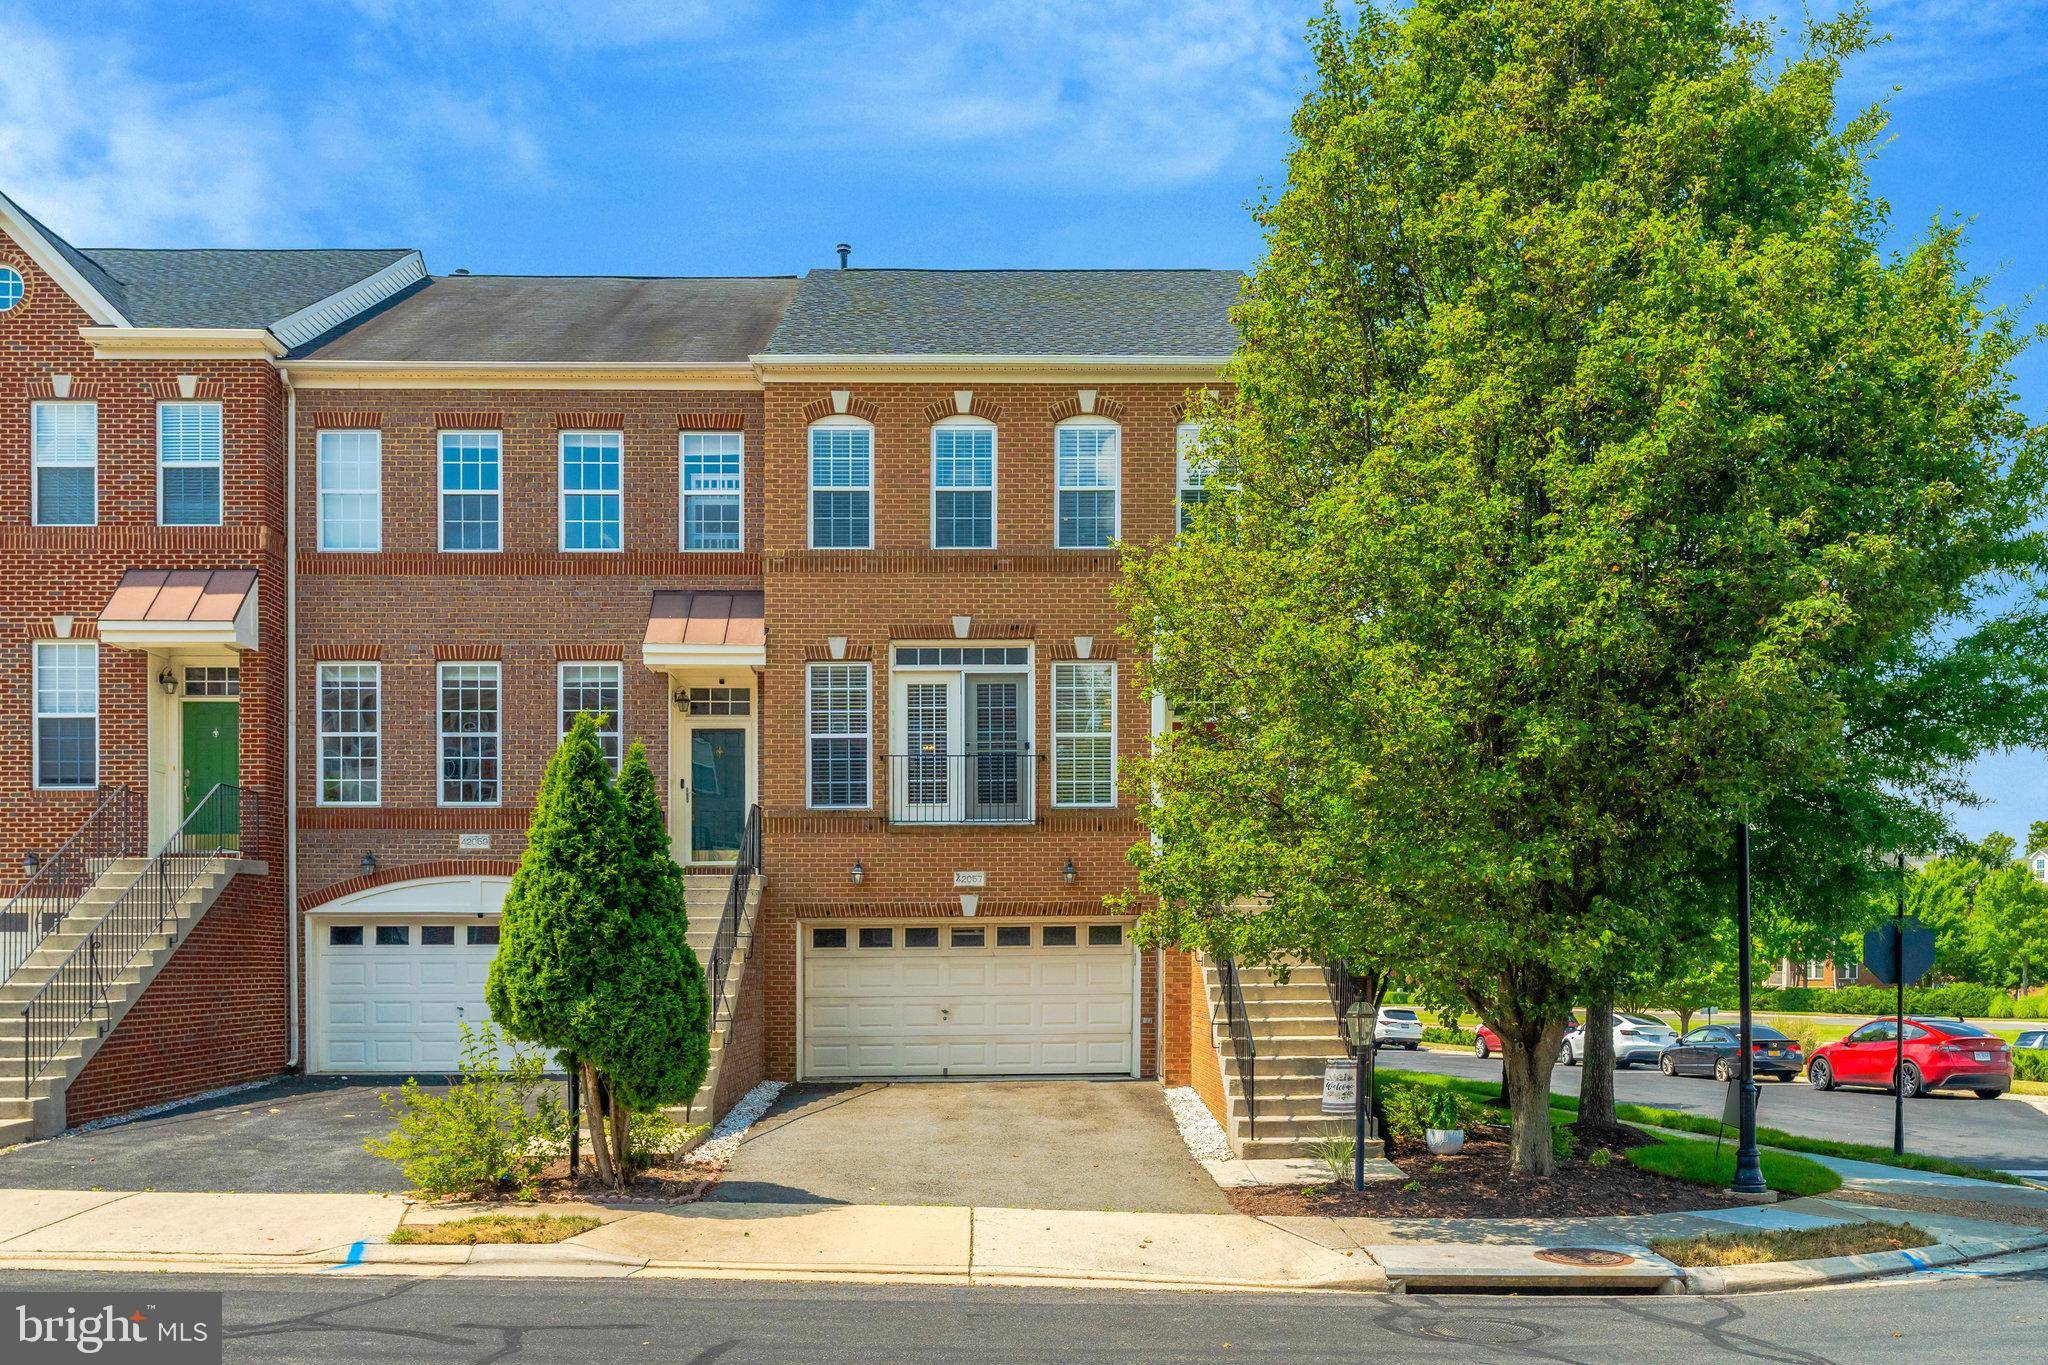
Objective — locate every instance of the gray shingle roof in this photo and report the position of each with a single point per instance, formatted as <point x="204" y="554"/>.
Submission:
<point x="565" y="319"/>
<point x="1011" y="312"/>
<point x="211" y="287"/>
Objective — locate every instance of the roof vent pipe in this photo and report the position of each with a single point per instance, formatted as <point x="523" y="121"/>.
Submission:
<point x="844" y="249"/>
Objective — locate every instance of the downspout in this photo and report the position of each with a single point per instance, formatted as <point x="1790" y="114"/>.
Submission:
<point x="291" y="714"/>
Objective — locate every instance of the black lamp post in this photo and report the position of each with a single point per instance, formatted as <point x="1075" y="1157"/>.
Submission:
<point x="1749" y="1171"/>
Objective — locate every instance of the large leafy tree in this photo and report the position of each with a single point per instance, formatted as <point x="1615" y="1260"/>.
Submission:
<point x="1590" y="477"/>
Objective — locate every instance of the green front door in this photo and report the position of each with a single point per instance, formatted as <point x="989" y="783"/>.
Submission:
<point x="213" y="755"/>
<point x="718" y="794"/>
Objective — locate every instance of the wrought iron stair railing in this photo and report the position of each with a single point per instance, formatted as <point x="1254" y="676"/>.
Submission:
<point x="1238" y="1024"/>
<point x="723" y="948"/>
<point x="110" y="833"/>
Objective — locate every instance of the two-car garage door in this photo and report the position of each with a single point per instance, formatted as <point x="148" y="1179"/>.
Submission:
<point x="967" y="1000"/>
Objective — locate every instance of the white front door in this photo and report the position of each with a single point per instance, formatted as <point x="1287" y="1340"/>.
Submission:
<point x="958" y="999"/>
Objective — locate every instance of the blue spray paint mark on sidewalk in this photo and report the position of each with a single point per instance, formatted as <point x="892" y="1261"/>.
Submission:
<point x="1911" y="1259"/>
<point x="355" y="1257"/>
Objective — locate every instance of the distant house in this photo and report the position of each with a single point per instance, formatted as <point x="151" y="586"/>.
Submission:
<point x="1823" y="974"/>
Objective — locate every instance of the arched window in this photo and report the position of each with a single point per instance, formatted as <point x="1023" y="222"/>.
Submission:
<point x="1087" y="483"/>
<point x="964" y="484"/>
<point x="842" y="484"/>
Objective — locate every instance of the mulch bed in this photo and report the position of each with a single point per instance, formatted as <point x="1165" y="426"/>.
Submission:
<point x="656" y="1185"/>
<point x="1476" y="1183"/>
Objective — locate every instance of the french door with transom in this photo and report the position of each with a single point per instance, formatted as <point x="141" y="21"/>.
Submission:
<point x="963" y="747"/>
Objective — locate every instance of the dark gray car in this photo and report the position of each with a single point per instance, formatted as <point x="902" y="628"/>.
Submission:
<point x="1711" y="1051"/>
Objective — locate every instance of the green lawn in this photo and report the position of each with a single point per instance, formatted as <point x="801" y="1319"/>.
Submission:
<point x="1702" y="1163"/>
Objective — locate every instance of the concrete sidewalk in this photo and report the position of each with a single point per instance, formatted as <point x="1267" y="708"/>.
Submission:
<point x="342" y="1234"/>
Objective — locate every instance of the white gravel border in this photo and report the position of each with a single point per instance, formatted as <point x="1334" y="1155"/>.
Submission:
<point x="731" y="1130"/>
<point x="1198" y="1127"/>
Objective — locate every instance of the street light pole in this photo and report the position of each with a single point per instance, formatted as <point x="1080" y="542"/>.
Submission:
<point x="1749" y="1171"/>
<point x="1899" y="1012"/>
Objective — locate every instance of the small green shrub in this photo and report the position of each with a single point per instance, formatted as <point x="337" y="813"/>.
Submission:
<point x="1412" y="1187"/>
<point x="1456" y="1037"/>
<point x="656" y="1138"/>
<point x="497" y="1127"/>
<point x="2030" y="1064"/>
<point x="1446" y="1111"/>
<point x="1599" y="1158"/>
<point x="1563" y="1142"/>
<point x="1335" y="1153"/>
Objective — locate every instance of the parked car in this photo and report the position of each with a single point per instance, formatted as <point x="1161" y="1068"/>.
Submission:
<point x="2033" y="1040"/>
<point x="1486" y="1042"/>
<point x="1714" y="1050"/>
<point x="1941" y="1054"/>
<point x="1397" y="1026"/>
<point x="1640" y="1038"/>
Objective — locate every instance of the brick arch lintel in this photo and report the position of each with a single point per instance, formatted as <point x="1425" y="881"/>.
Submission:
<point x="820" y="408"/>
<point x="1106" y="407"/>
<point x="410" y="872"/>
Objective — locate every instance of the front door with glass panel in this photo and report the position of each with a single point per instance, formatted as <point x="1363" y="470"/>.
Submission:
<point x="996" y="771"/>
<point x="963" y="755"/>
<point x="718" y="794"/>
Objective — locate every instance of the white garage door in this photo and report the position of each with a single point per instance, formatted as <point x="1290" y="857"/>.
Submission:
<point x="391" y="985"/>
<point x="979" y="1000"/>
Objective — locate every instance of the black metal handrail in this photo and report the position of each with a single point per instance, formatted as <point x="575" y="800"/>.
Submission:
<point x="224" y="825"/>
<point x="1343" y="994"/>
<point x="111" y="832"/>
<point x="1239" y="1026"/>
<point x="992" y="785"/>
<point x="744" y="869"/>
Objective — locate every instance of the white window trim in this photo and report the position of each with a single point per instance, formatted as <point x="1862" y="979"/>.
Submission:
<point x="1116" y="532"/>
<point x="220" y="462"/>
<point x="442" y="734"/>
<point x="1054" y="719"/>
<point x="1185" y="436"/>
<point x="319" y="493"/>
<point x="35" y="485"/>
<point x="958" y="719"/>
<point x="995" y="480"/>
<point x="320" y="734"/>
<point x="562" y="440"/>
<point x="37" y="716"/>
<point x="442" y="496"/>
<point x="561" y="699"/>
<point x="683" y="494"/>
<point x="810" y="674"/>
<point x="811" y="487"/>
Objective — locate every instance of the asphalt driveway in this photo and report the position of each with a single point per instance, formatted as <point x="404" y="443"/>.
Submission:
<point x="1000" y="1144"/>
<point x="293" y="1136"/>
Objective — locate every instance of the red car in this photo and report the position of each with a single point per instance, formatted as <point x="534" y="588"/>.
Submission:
<point x="1487" y="1042"/>
<point x="1941" y="1054"/>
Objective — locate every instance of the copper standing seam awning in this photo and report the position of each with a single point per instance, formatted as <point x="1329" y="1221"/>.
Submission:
<point x="163" y="608"/>
<point x="688" y="629"/>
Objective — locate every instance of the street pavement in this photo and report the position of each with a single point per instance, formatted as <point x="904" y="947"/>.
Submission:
<point x="2004" y="1134"/>
<point x="281" y="1321"/>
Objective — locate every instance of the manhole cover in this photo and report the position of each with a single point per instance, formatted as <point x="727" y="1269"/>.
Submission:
<point x="1590" y="1257"/>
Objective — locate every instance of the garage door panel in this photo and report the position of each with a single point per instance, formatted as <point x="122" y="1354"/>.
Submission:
<point x="924" y="973"/>
<point x="396" y="1007"/>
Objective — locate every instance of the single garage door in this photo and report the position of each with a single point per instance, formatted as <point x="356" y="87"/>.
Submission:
<point x="397" y="971"/>
<point x="967" y="1000"/>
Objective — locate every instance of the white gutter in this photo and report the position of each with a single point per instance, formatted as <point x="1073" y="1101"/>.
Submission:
<point x="291" y="713"/>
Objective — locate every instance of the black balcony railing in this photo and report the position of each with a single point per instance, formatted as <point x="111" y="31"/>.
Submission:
<point x="222" y="827"/>
<point x="991" y="786"/>
<point x="113" y="831"/>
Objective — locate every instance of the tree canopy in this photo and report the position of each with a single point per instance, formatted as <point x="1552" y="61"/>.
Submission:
<point x="1591" y="475"/>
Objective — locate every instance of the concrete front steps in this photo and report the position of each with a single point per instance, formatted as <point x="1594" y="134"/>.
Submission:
<point x="706" y="894"/>
<point x="39" y="1111"/>
<point x="1293" y="1033"/>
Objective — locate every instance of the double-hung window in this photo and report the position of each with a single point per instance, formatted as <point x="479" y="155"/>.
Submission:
<point x="188" y="464"/>
<point x="591" y="688"/>
<point x="65" y="442"/>
<point x="1086" y="472"/>
<point x="964" y="485"/>
<point x="351" y="761"/>
<point x="472" y="494"/>
<point x="469" y="734"/>
<point x="838" y="735"/>
<point x="711" y="490"/>
<point x="842" y="485"/>
<point x="67" y="736"/>
<point x="351" y="489"/>
<point x="1191" y="472"/>
<point x="1084" y="734"/>
<point x="592" y="490"/>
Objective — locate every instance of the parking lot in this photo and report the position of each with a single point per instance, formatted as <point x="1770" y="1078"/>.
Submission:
<point x="2006" y="1134"/>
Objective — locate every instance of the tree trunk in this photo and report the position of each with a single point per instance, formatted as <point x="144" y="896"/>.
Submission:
<point x="1684" y="1020"/>
<point x="594" y="1107"/>
<point x="1527" y="1056"/>
<point x="1596" y="1083"/>
<point x="622" y="1158"/>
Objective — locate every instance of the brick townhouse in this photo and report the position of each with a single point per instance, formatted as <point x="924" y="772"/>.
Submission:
<point x="315" y="555"/>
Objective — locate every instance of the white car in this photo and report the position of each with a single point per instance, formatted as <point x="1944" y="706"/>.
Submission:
<point x="1637" y="1038"/>
<point x="1397" y="1026"/>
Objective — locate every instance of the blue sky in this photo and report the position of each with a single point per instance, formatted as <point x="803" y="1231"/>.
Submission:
<point x="746" y="137"/>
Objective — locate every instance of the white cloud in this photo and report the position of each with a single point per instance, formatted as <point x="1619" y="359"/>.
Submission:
<point x="577" y="25"/>
<point x="1929" y="45"/>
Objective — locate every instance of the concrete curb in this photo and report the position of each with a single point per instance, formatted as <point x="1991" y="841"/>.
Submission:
<point x="1774" y="1275"/>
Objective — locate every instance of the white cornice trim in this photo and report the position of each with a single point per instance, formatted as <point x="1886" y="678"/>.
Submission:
<point x="664" y="658"/>
<point x="317" y="318"/>
<point x="1012" y="368"/>
<point x="182" y="343"/>
<point x="385" y="374"/>
<point x="52" y="263"/>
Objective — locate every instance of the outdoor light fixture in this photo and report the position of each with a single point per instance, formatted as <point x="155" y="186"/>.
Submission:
<point x="168" y="681"/>
<point x="859" y="874"/>
<point x="1067" y="873"/>
<point x="31" y="861"/>
<point x="369" y="863"/>
<point x="1358" y="1024"/>
<point x="682" y="699"/>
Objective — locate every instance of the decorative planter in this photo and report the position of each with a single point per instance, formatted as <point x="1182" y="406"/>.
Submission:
<point x="1445" y="1141"/>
